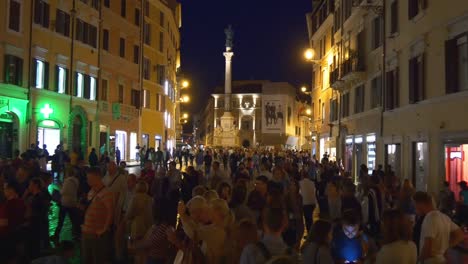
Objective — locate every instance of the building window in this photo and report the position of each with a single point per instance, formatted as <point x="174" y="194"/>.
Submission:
<point x="61" y="75"/>
<point x="393" y="90"/>
<point x="323" y="113"/>
<point x="135" y="98"/>
<point x="359" y="99"/>
<point x="92" y="88"/>
<point x="416" y="79"/>
<point x="146" y="68"/>
<point x="136" y="54"/>
<point x="105" y="39"/>
<point x="161" y="74"/>
<point x="394" y="17"/>
<point x="14" y="15"/>
<point x="137" y="16"/>
<point x="103" y="91"/>
<point x="376" y="92"/>
<point x="121" y="93"/>
<point x="62" y="23"/>
<point x="86" y="33"/>
<point x="377" y="35"/>
<point x="95" y="4"/>
<point x="415" y="7"/>
<point x="79" y="87"/>
<point x="147" y="8"/>
<point x="147" y="33"/>
<point x="107" y="3"/>
<point x="146" y="99"/>
<point x="456" y="64"/>
<point x="122" y="48"/>
<point x="345" y="105"/>
<point x="333" y="110"/>
<point x="123" y="8"/>
<point x="161" y="19"/>
<point x="161" y="41"/>
<point x="40" y="74"/>
<point x="13" y="70"/>
<point x="41" y="13"/>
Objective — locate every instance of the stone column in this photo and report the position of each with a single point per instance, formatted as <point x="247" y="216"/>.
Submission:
<point x="228" y="80"/>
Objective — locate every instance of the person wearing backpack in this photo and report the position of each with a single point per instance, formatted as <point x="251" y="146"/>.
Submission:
<point x="271" y="247"/>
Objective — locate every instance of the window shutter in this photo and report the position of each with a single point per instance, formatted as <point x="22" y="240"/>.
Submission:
<point x="86" y="90"/>
<point x="45" y="21"/>
<point x="389" y="91"/>
<point x="56" y="78"/>
<point x="451" y="66"/>
<point x="396" y="88"/>
<point x="67" y="87"/>
<point x="412" y="80"/>
<point x="423" y="4"/>
<point x="75" y="85"/>
<point x="33" y="73"/>
<point x="6" y="68"/>
<point x="37" y="12"/>
<point x="421" y="78"/>
<point x="46" y="75"/>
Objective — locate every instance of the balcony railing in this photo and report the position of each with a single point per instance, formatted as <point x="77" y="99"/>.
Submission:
<point x="352" y="65"/>
<point x="123" y="111"/>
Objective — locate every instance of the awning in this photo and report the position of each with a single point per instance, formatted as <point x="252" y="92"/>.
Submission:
<point x="292" y="141"/>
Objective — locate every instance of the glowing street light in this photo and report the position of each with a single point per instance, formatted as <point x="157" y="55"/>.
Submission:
<point x="308" y="111"/>
<point x="185" y="99"/>
<point x="185" y="116"/>
<point x="303" y="89"/>
<point x="185" y="84"/>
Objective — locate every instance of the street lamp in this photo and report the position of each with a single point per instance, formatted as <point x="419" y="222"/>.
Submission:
<point x="308" y="111"/>
<point x="185" y="116"/>
<point x="184" y="99"/>
<point x="309" y="55"/>
<point x="185" y="84"/>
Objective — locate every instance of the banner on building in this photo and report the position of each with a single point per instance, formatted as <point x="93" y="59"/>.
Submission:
<point x="273" y="114"/>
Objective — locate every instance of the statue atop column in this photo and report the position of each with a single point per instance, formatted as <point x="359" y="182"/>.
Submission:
<point x="229" y="37"/>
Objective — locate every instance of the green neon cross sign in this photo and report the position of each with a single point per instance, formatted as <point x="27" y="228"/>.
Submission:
<point x="46" y="110"/>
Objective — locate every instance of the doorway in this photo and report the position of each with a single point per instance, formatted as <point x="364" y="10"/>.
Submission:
<point x="48" y="133"/>
<point x="121" y="143"/>
<point x="393" y="158"/>
<point x="133" y="144"/>
<point x="419" y="165"/>
<point x="456" y="166"/>
<point x="6" y="139"/>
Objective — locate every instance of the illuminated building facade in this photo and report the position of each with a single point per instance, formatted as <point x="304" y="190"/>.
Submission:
<point x="72" y="73"/>
<point x="390" y="88"/>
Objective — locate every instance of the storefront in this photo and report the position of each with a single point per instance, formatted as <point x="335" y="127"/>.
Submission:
<point x="145" y="141"/>
<point x="327" y="146"/>
<point x="158" y="142"/>
<point x="133" y="145"/>
<point x="7" y="135"/>
<point x="13" y="130"/>
<point x="48" y="133"/>
<point x="393" y="158"/>
<point x="121" y="143"/>
<point x="360" y="150"/>
<point x="420" y="165"/>
<point x="371" y="153"/>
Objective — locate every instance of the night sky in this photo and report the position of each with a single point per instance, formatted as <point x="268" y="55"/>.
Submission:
<point x="269" y="39"/>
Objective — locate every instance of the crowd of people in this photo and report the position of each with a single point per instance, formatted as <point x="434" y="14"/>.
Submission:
<point x="243" y="206"/>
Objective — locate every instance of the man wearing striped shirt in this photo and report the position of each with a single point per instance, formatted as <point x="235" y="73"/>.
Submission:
<point x="97" y="241"/>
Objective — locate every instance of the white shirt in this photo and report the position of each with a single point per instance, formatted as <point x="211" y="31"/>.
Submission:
<point x="401" y="252"/>
<point x="307" y="189"/>
<point x="437" y="226"/>
<point x="69" y="192"/>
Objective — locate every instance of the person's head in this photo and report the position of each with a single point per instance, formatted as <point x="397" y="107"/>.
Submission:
<point x="199" y="190"/>
<point x="246" y="233"/>
<point x="216" y="165"/>
<point x="112" y="168"/>
<point x="172" y="165"/>
<point x="94" y="177"/>
<point x="210" y="195"/>
<point x="35" y="185"/>
<point x="23" y="173"/>
<point x="197" y="207"/>
<point x="66" y="249"/>
<point x="395" y="226"/>
<point x="321" y="233"/>
<point x="224" y="191"/>
<point x="11" y="190"/>
<point x="131" y="181"/>
<point x="220" y="211"/>
<point x="294" y="188"/>
<point x="261" y="184"/>
<point x="93" y="150"/>
<point x="275" y="220"/>
<point x="122" y="164"/>
<point x="44" y="146"/>
<point x="239" y="193"/>
<point x="463" y="185"/>
<point x="350" y="223"/>
<point x="423" y="203"/>
<point x="141" y="187"/>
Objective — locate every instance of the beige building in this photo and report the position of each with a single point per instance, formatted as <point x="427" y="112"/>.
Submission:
<point x="75" y="73"/>
<point x="266" y="114"/>
<point x="390" y="86"/>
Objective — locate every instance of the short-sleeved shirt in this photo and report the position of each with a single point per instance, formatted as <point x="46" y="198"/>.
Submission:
<point x="96" y="214"/>
<point x="437" y="226"/>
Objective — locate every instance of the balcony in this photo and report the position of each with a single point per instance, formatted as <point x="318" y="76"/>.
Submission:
<point x="124" y="112"/>
<point x="353" y="69"/>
